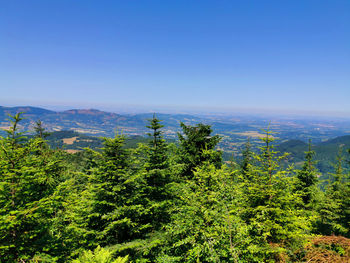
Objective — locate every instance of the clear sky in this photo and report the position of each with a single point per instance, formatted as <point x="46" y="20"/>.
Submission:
<point x="248" y="54"/>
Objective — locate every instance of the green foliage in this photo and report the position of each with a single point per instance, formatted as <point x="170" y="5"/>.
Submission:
<point x="193" y="142"/>
<point x="157" y="153"/>
<point x="163" y="202"/>
<point x="157" y="176"/>
<point x="275" y="224"/>
<point x="205" y="226"/>
<point x="335" y="209"/>
<point x="113" y="190"/>
<point x="43" y="258"/>
<point x="306" y="178"/>
<point x="28" y="176"/>
<point x="247" y="159"/>
<point x="325" y="153"/>
<point x="40" y="130"/>
<point x="99" y="255"/>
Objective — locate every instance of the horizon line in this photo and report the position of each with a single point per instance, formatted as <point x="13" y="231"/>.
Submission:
<point x="178" y="109"/>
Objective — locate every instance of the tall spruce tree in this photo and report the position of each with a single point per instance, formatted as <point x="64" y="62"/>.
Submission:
<point x="205" y="226"/>
<point x="27" y="204"/>
<point x="247" y="155"/>
<point x="157" y="154"/>
<point x="307" y="179"/>
<point x="157" y="174"/>
<point x="270" y="208"/>
<point x="334" y="210"/>
<point x="118" y="199"/>
<point x="156" y="197"/>
<point x="194" y="141"/>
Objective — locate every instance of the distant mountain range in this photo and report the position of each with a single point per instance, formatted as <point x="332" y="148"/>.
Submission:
<point x="78" y="128"/>
<point x="92" y="121"/>
<point x="234" y="129"/>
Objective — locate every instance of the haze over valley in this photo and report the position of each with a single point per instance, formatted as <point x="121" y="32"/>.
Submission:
<point x="291" y="133"/>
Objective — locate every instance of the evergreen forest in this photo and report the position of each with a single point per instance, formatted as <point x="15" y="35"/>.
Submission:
<point x="168" y="202"/>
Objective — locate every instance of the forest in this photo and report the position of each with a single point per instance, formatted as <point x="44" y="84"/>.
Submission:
<point x="168" y="202"/>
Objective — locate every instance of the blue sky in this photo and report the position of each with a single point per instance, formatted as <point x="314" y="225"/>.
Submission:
<point x="291" y="55"/>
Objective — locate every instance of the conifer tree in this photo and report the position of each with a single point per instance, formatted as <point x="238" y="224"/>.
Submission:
<point x="334" y="211"/>
<point x="157" y="154"/>
<point x="269" y="208"/>
<point x="109" y="192"/>
<point x="205" y="226"/>
<point x="247" y="155"/>
<point x="154" y="198"/>
<point x="117" y="197"/>
<point x="40" y="130"/>
<point x="307" y="179"/>
<point x="27" y="182"/>
<point x="193" y="142"/>
<point x="157" y="175"/>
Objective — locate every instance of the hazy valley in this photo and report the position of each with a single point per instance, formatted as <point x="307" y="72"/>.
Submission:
<point x="76" y="129"/>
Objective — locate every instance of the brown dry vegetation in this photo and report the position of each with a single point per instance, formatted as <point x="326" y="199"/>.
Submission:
<point x="328" y="249"/>
<point x="324" y="249"/>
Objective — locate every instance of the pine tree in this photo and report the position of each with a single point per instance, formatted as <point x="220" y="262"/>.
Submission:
<point x="116" y="199"/>
<point x="334" y="211"/>
<point x="307" y="179"/>
<point x="154" y="197"/>
<point x="205" y="226"/>
<point x="40" y="130"/>
<point x="157" y="154"/>
<point x="247" y="155"/>
<point x="157" y="175"/>
<point x="27" y="181"/>
<point x="157" y="161"/>
<point x="193" y="143"/>
<point x="270" y="208"/>
<point x="108" y="190"/>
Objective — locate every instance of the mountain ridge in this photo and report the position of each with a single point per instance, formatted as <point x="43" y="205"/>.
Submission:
<point x="233" y="129"/>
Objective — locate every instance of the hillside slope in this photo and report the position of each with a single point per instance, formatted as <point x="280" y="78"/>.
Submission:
<point x="325" y="152"/>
